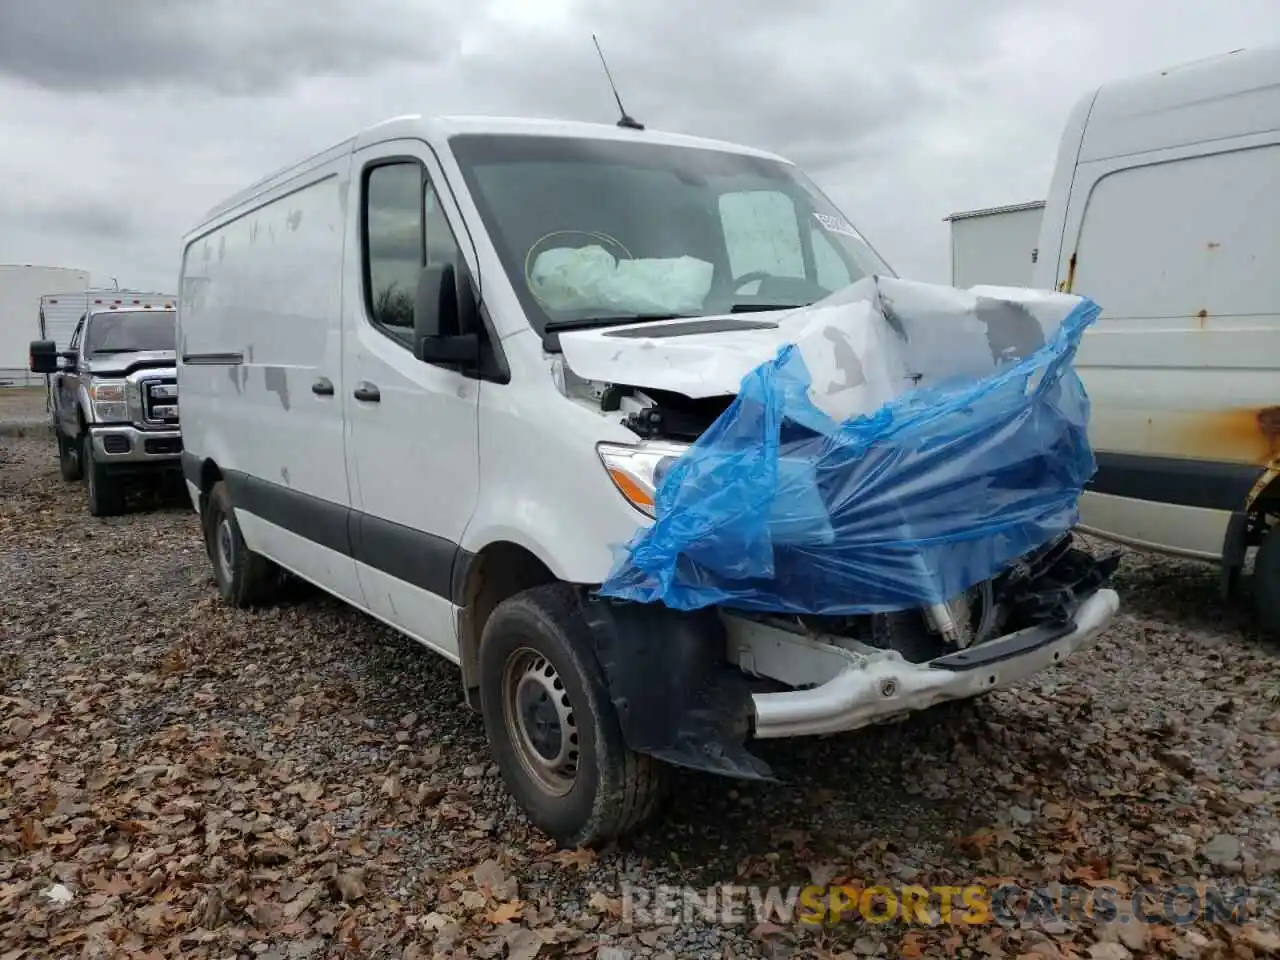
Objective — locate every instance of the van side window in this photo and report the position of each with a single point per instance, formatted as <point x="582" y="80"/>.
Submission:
<point x="405" y="228"/>
<point x="394" y="243"/>
<point x="442" y="245"/>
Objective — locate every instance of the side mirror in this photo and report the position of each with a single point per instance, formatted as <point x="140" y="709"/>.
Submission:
<point x="43" y="356"/>
<point x="444" y="316"/>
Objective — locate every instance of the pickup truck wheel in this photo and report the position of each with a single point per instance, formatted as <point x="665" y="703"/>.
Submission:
<point x="244" y="578"/>
<point x="1266" y="582"/>
<point x="69" y="465"/>
<point x="106" y="495"/>
<point x="552" y="726"/>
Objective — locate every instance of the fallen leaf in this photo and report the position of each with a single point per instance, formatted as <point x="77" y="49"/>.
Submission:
<point x="602" y="903"/>
<point x="523" y="944"/>
<point x="505" y="912"/>
<point x="580" y="858"/>
<point x="350" y="885"/>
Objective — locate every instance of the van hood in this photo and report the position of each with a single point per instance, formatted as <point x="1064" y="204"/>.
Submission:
<point x="697" y="357"/>
<point x="861" y="347"/>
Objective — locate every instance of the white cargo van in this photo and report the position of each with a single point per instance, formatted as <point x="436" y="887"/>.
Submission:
<point x="378" y="399"/>
<point x="1165" y="209"/>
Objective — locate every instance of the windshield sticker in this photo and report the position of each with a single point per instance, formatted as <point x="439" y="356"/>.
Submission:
<point x="837" y="225"/>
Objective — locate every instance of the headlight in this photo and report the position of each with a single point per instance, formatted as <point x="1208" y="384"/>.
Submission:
<point x="638" y="470"/>
<point x="110" y="404"/>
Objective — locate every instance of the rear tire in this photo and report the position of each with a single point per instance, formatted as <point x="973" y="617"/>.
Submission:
<point x="106" y="494"/>
<point x="244" y="578"/>
<point x="552" y="727"/>
<point x="69" y="465"/>
<point x="1266" y="582"/>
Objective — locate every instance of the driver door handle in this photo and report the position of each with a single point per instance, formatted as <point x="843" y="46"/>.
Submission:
<point x="367" y="392"/>
<point x="323" y="387"/>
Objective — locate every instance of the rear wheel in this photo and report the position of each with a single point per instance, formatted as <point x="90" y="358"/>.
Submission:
<point x="106" y="494"/>
<point x="552" y="726"/>
<point x="69" y="465"/>
<point x="244" y="578"/>
<point x="1266" y="582"/>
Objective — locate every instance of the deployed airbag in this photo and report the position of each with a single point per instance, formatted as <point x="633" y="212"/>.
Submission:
<point x="908" y="442"/>
<point x="590" y="278"/>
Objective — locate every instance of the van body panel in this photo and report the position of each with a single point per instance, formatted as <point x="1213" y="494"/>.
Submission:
<point x="1163" y="209"/>
<point x="260" y="327"/>
<point x="527" y="505"/>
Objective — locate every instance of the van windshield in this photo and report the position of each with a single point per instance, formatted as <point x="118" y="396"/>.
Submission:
<point x="595" y="230"/>
<point x="129" y="331"/>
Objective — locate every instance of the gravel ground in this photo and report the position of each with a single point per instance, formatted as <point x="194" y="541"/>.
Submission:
<point x="22" y="412"/>
<point x="182" y="779"/>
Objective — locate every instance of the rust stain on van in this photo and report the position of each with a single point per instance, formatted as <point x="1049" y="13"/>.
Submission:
<point x="1202" y="318"/>
<point x="1066" y="285"/>
<point x="1243" y="435"/>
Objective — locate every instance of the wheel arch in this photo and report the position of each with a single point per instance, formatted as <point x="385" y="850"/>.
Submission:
<point x="500" y="570"/>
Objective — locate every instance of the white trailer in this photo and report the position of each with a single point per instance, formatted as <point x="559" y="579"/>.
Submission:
<point x="995" y="246"/>
<point x="21" y="289"/>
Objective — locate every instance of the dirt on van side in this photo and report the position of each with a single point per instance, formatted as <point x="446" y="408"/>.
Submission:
<point x="181" y="779"/>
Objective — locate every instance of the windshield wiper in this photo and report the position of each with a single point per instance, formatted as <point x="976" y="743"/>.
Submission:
<point x="765" y="307"/>
<point x="586" y="323"/>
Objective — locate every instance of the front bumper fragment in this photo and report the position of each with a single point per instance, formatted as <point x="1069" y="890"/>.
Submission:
<point x="886" y="687"/>
<point x="125" y="443"/>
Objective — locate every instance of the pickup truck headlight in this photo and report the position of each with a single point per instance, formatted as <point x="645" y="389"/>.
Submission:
<point x="637" y="470"/>
<point x="110" y="403"/>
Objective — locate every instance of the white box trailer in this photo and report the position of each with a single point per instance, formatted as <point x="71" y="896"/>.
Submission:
<point x="21" y="289"/>
<point x="996" y="245"/>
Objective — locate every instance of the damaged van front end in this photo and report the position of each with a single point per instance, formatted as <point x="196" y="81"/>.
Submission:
<point x="857" y="510"/>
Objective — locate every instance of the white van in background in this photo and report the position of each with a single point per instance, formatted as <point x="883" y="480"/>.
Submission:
<point x="379" y="397"/>
<point x="1165" y="209"/>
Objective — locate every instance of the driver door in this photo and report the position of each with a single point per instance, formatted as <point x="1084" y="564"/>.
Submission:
<point x="66" y="384"/>
<point x="412" y="444"/>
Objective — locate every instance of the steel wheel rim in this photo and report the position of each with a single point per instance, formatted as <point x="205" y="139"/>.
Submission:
<point x="539" y="721"/>
<point x="225" y="548"/>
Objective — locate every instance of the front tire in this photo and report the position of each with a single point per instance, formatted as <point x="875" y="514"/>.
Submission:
<point x="1266" y="582"/>
<point x="106" y="494"/>
<point x="552" y="727"/>
<point x="69" y="465"/>
<point x="244" y="578"/>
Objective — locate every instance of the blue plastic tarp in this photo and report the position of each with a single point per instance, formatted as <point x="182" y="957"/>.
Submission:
<point x="908" y="442"/>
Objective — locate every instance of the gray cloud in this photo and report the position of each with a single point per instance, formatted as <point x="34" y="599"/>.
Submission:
<point x="123" y="121"/>
<point x="225" y="46"/>
<point x="90" y="217"/>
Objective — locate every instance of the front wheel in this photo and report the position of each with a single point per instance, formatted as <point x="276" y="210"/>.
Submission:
<point x="552" y="726"/>
<point x="1266" y="582"/>
<point x="106" y="495"/>
<point x="69" y="465"/>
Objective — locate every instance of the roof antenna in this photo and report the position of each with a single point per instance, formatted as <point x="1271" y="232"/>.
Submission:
<point x="625" y="120"/>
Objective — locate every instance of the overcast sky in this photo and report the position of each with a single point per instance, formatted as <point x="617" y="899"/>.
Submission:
<point x="122" y="121"/>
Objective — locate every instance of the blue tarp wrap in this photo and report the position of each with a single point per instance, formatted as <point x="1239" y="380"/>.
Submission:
<point x="909" y="442"/>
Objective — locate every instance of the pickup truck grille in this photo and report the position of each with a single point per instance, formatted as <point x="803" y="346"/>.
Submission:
<point x="160" y="401"/>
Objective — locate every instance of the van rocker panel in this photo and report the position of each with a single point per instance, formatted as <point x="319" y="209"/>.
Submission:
<point x="423" y="560"/>
<point x="1183" y="482"/>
